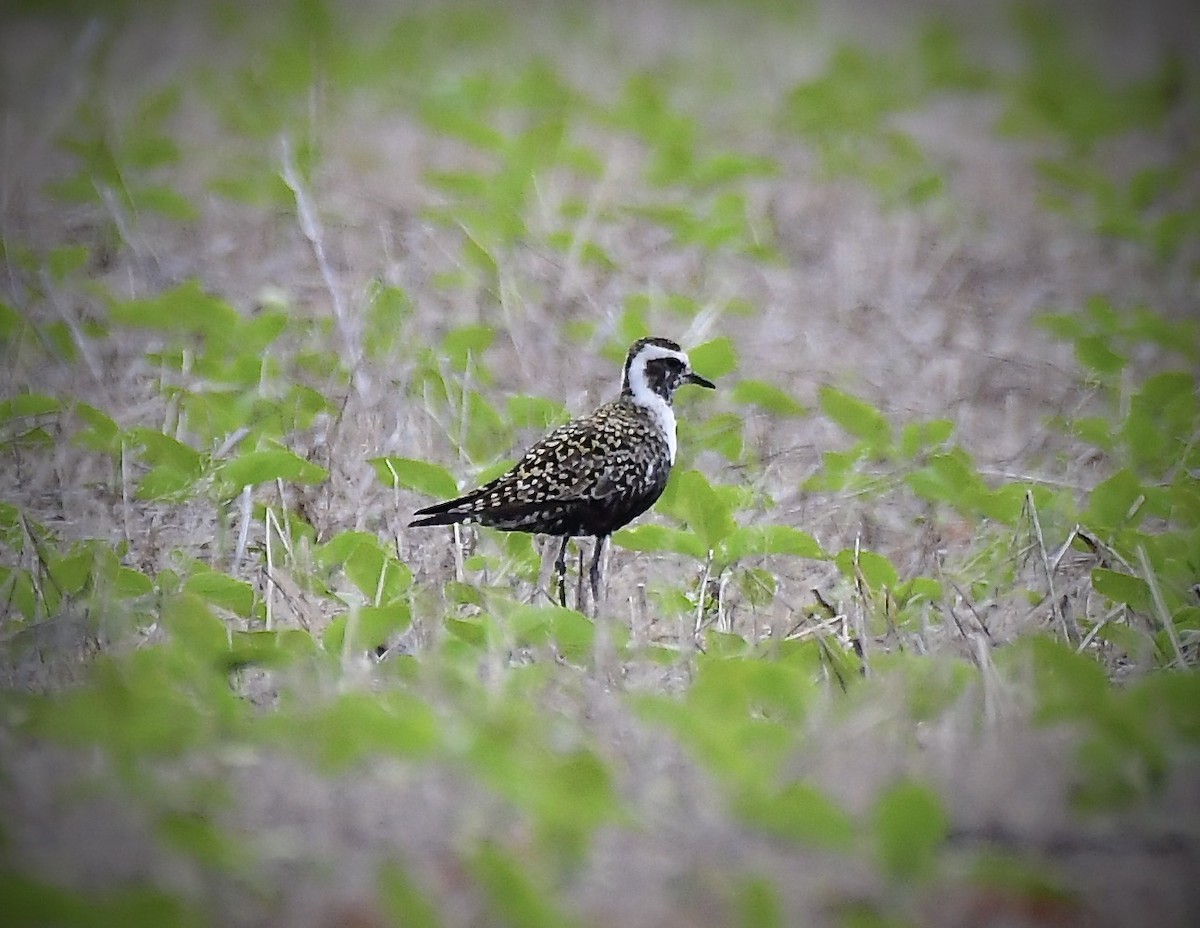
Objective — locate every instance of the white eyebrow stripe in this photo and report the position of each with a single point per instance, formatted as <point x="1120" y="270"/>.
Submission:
<point x="639" y="387"/>
<point x="658" y="352"/>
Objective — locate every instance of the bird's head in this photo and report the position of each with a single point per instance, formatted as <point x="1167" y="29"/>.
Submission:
<point x="657" y="367"/>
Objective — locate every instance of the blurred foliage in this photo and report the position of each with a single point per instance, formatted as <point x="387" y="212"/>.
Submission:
<point x="464" y="677"/>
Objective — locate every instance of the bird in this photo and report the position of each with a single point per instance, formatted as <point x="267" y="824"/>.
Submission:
<point x="594" y="474"/>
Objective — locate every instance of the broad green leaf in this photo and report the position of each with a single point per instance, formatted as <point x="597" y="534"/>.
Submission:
<point x="657" y="538"/>
<point x="919" y="437"/>
<point x="767" y="397"/>
<point x="1113" y="502"/>
<point x="758" y="586"/>
<point x="377" y="574"/>
<point x="876" y="569"/>
<point x="71" y="572"/>
<point x="341" y="546"/>
<point x="32" y="904"/>
<point x="128" y="583"/>
<point x="1094" y="353"/>
<point x="255" y="467"/>
<point x="360" y="725"/>
<point x="192" y="625"/>
<point x="270" y="648"/>
<point x="1067" y="685"/>
<point x="403" y="900"/>
<point x="370" y="627"/>
<point x="201" y="840"/>
<point x="430" y="479"/>
<point x="467" y="341"/>
<point x="910" y="826"/>
<point x="28" y="404"/>
<point x="801" y="813"/>
<point x="705" y="510"/>
<point x="758" y="905"/>
<point x="512" y="897"/>
<point x="165" y="482"/>
<point x="185" y="309"/>
<point x="1122" y="588"/>
<point x="66" y="259"/>
<point x="163" y="450"/>
<point x="714" y="358"/>
<point x="568" y="629"/>
<point x="1066" y="327"/>
<point x="237" y="596"/>
<point x="535" y="412"/>
<point x="919" y="589"/>
<point x="100" y="433"/>
<point x="166" y="202"/>
<point x="857" y="417"/>
<point x="756" y="540"/>
<point x="471" y="631"/>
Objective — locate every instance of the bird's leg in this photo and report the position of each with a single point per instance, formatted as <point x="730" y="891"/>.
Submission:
<point x="560" y="567"/>
<point x="594" y="571"/>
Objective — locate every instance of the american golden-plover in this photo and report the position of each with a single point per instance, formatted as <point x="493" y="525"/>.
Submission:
<point x="594" y="474"/>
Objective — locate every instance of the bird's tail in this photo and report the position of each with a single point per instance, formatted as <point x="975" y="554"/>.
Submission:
<point x="446" y="513"/>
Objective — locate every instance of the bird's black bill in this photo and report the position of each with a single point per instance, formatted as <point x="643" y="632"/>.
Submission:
<point x="693" y="377"/>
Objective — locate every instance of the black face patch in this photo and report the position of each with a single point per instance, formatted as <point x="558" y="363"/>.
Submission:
<point x="664" y="376"/>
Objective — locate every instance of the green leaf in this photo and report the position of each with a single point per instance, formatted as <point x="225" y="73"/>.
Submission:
<point x="535" y="412"/>
<point x="1113" y="502"/>
<point x="360" y="725"/>
<point x="910" y="827"/>
<point x="465" y="342"/>
<point x="191" y="624"/>
<point x="403" y="901"/>
<point x="757" y="540"/>
<point x="185" y="309"/>
<point x="163" y="450"/>
<point x="370" y="627"/>
<point x="511" y="896"/>
<point x="877" y="570"/>
<point x="421" y="476"/>
<point x="166" y="202"/>
<point x="567" y="628"/>
<point x="1094" y="353"/>
<point x="1067" y="685"/>
<point x="255" y="467"/>
<point x="857" y="417"/>
<point x="714" y="358"/>
<point x="201" y="840"/>
<point x="801" y="813"/>
<point x="706" y="511"/>
<point x="166" y="483"/>
<point x="31" y="904"/>
<point x="72" y="571"/>
<point x="128" y="583"/>
<point x="658" y="538"/>
<point x="26" y="405"/>
<point x="377" y="573"/>
<point x="1122" y="588"/>
<point x="65" y="260"/>
<point x="220" y="589"/>
<point x="758" y="905"/>
<point x="101" y="433"/>
<point x="758" y="586"/>
<point x="919" y="437"/>
<point x="767" y="397"/>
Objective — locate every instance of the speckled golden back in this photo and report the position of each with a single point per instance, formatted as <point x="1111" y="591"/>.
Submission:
<point x="586" y="477"/>
<point x="594" y="474"/>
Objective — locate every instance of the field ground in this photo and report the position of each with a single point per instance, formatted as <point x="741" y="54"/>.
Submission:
<point x="910" y="640"/>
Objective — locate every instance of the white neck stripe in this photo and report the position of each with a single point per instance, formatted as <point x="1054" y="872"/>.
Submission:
<point x="639" y="388"/>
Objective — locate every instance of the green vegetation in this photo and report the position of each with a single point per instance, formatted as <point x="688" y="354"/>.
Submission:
<point x="211" y="452"/>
